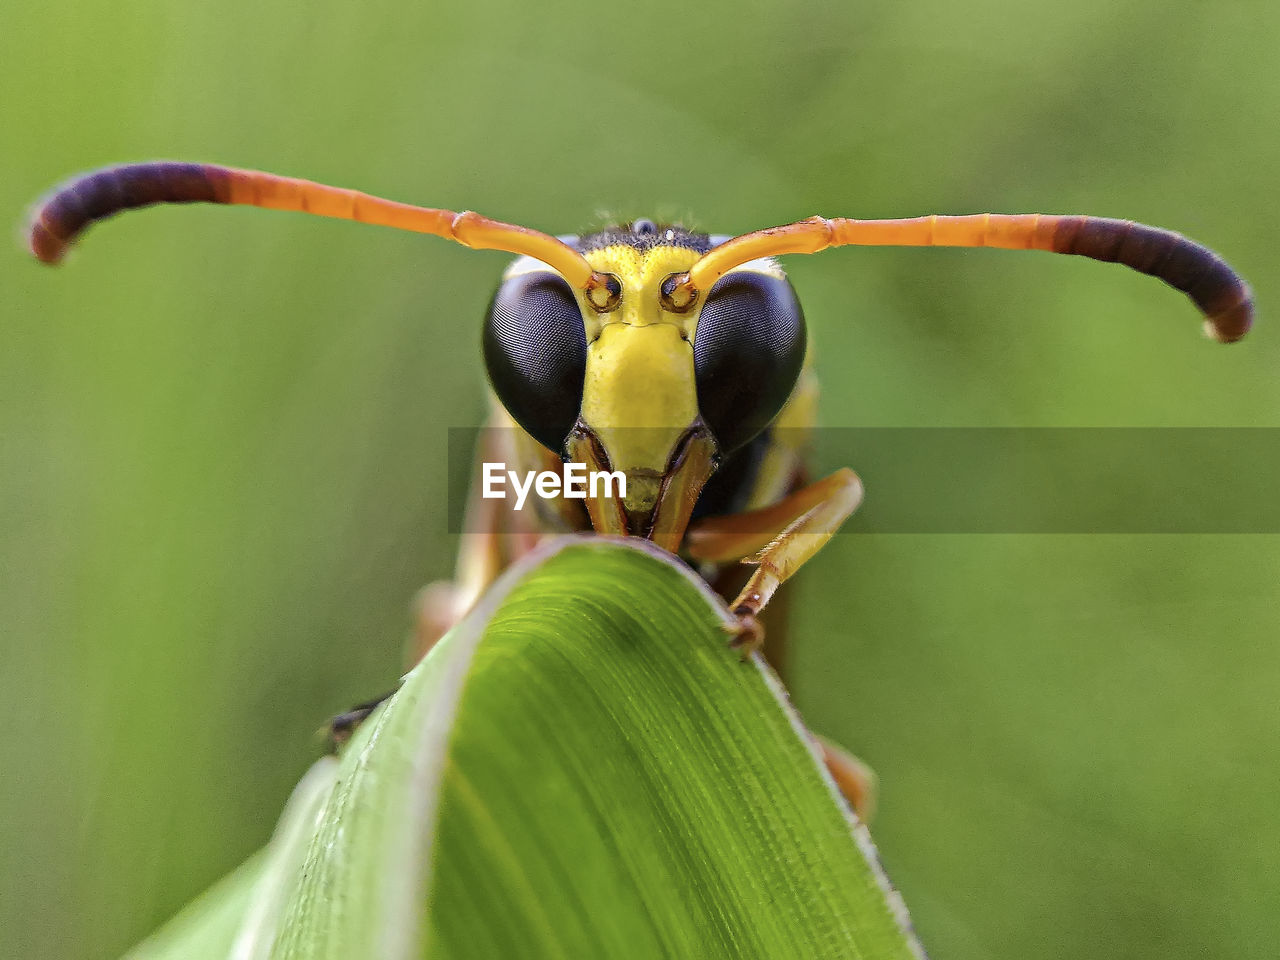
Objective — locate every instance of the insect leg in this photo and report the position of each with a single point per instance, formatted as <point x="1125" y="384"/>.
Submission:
<point x="855" y="780"/>
<point x="493" y="537"/>
<point x="340" y="728"/>
<point x="490" y="541"/>
<point x="777" y="540"/>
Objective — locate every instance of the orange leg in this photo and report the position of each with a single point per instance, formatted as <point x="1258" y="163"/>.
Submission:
<point x="493" y="537"/>
<point x="855" y="780"/>
<point x="777" y="540"/>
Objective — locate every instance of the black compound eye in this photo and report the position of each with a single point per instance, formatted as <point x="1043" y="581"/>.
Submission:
<point x="747" y="354"/>
<point x="535" y="350"/>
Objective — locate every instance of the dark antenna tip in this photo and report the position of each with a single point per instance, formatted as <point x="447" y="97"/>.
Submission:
<point x="44" y="245"/>
<point x="1231" y="324"/>
<point x="66" y="212"/>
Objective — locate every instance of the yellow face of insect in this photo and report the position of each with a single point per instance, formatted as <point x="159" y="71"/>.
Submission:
<point x="639" y="394"/>
<point x="657" y="393"/>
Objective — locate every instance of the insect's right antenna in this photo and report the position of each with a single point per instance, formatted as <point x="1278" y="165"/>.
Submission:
<point x="1223" y="298"/>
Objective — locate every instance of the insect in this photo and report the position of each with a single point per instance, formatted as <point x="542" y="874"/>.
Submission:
<point x="675" y="358"/>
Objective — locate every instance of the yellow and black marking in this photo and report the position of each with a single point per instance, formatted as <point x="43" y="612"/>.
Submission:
<point x="630" y="385"/>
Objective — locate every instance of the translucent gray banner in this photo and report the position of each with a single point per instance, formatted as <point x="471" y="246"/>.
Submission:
<point x="1028" y="480"/>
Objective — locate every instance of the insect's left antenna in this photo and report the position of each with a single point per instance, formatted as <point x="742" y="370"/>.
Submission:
<point x="96" y="196"/>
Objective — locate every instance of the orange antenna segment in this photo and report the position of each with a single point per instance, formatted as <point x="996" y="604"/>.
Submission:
<point x="1201" y="274"/>
<point x="96" y="196"/>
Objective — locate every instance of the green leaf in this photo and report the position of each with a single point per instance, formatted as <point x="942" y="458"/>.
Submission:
<point x="238" y="916"/>
<point x="582" y="768"/>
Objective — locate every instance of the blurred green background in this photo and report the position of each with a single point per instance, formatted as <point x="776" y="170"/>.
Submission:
<point x="223" y="430"/>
